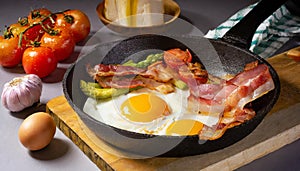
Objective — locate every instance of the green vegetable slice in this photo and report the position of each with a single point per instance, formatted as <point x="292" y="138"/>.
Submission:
<point x="150" y="59"/>
<point x="180" y="84"/>
<point x="95" y="91"/>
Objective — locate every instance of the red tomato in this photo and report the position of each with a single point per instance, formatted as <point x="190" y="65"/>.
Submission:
<point x="29" y="35"/>
<point x="175" y="58"/>
<point x="77" y="22"/>
<point x="38" y="15"/>
<point x="10" y="52"/>
<point x="60" y="41"/>
<point x="39" y="60"/>
<point x="32" y="34"/>
<point x="17" y="28"/>
<point x="39" y="22"/>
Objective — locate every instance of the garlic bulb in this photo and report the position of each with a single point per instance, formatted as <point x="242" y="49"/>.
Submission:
<point x="21" y="92"/>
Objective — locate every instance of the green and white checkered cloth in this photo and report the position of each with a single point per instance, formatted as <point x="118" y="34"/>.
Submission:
<point x="275" y="31"/>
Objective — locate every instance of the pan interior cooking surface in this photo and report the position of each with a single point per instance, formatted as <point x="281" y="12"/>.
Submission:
<point x="230" y="60"/>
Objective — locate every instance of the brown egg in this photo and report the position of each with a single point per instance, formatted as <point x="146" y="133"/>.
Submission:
<point x="37" y="131"/>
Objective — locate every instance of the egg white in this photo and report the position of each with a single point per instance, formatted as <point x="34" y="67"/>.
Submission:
<point x="108" y="112"/>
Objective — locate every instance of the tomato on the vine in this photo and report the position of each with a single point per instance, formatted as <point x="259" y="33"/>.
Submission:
<point x="32" y="34"/>
<point x="10" y="52"/>
<point x="37" y="15"/>
<point x="24" y="30"/>
<point x="53" y="35"/>
<point x="16" y="29"/>
<point x="77" y="22"/>
<point x="60" y="41"/>
<point x="39" y="21"/>
<point x="39" y="60"/>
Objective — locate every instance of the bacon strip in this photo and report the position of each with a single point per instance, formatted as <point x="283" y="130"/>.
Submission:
<point x="229" y="99"/>
<point x="164" y="88"/>
<point x="181" y="62"/>
<point x="102" y="70"/>
<point x="245" y="77"/>
<point x="204" y="106"/>
<point x="246" y="85"/>
<point x="159" y="72"/>
<point x="176" y="58"/>
<point x="120" y="82"/>
<point x="193" y="74"/>
<point x="206" y="91"/>
<point x="237" y="117"/>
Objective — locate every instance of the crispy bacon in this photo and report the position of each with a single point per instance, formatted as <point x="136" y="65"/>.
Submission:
<point x="244" y="115"/>
<point x="251" y="84"/>
<point x="250" y="65"/>
<point x="175" y="58"/>
<point x="120" y="82"/>
<point x="181" y="62"/>
<point x="164" y="88"/>
<point x="204" y="106"/>
<point x="212" y="133"/>
<point x="247" y="76"/>
<point x="229" y="99"/>
<point x="206" y="91"/>
<point x="193" y="74"/>
<point x="225" y="92"/>
<point x="229" y="120"/>
<point x="102" y="70"/>
<point x="159" y="72"/>
<point x="258" y="81"/>
<point x="155" y="77"/>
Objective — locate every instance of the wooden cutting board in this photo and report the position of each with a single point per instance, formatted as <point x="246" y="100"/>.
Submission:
<point x="279" y="128"/>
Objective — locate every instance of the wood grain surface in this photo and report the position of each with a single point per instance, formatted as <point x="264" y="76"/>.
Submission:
<point x="279" y="128"/>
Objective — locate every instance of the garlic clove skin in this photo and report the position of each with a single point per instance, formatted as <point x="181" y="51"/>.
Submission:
<point x="21" y="92"/>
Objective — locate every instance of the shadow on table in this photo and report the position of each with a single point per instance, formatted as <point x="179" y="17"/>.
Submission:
<point x="57" y="148"/>
<point x="37" y="107"/>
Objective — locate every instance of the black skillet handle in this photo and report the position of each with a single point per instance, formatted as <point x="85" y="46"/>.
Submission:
<point x="241" y="34"/>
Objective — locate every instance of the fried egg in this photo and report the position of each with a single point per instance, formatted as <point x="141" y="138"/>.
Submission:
<point x="148" y="111"/>
<point x="144" y="107"/>
<point x="184" y="127"/>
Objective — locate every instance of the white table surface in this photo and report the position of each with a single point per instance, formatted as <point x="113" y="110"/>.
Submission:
<point x="62" y="154"/>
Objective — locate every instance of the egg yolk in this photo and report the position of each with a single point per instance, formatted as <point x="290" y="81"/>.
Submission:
<point x="184" y="127"/>
<point x="144" y="108"/>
